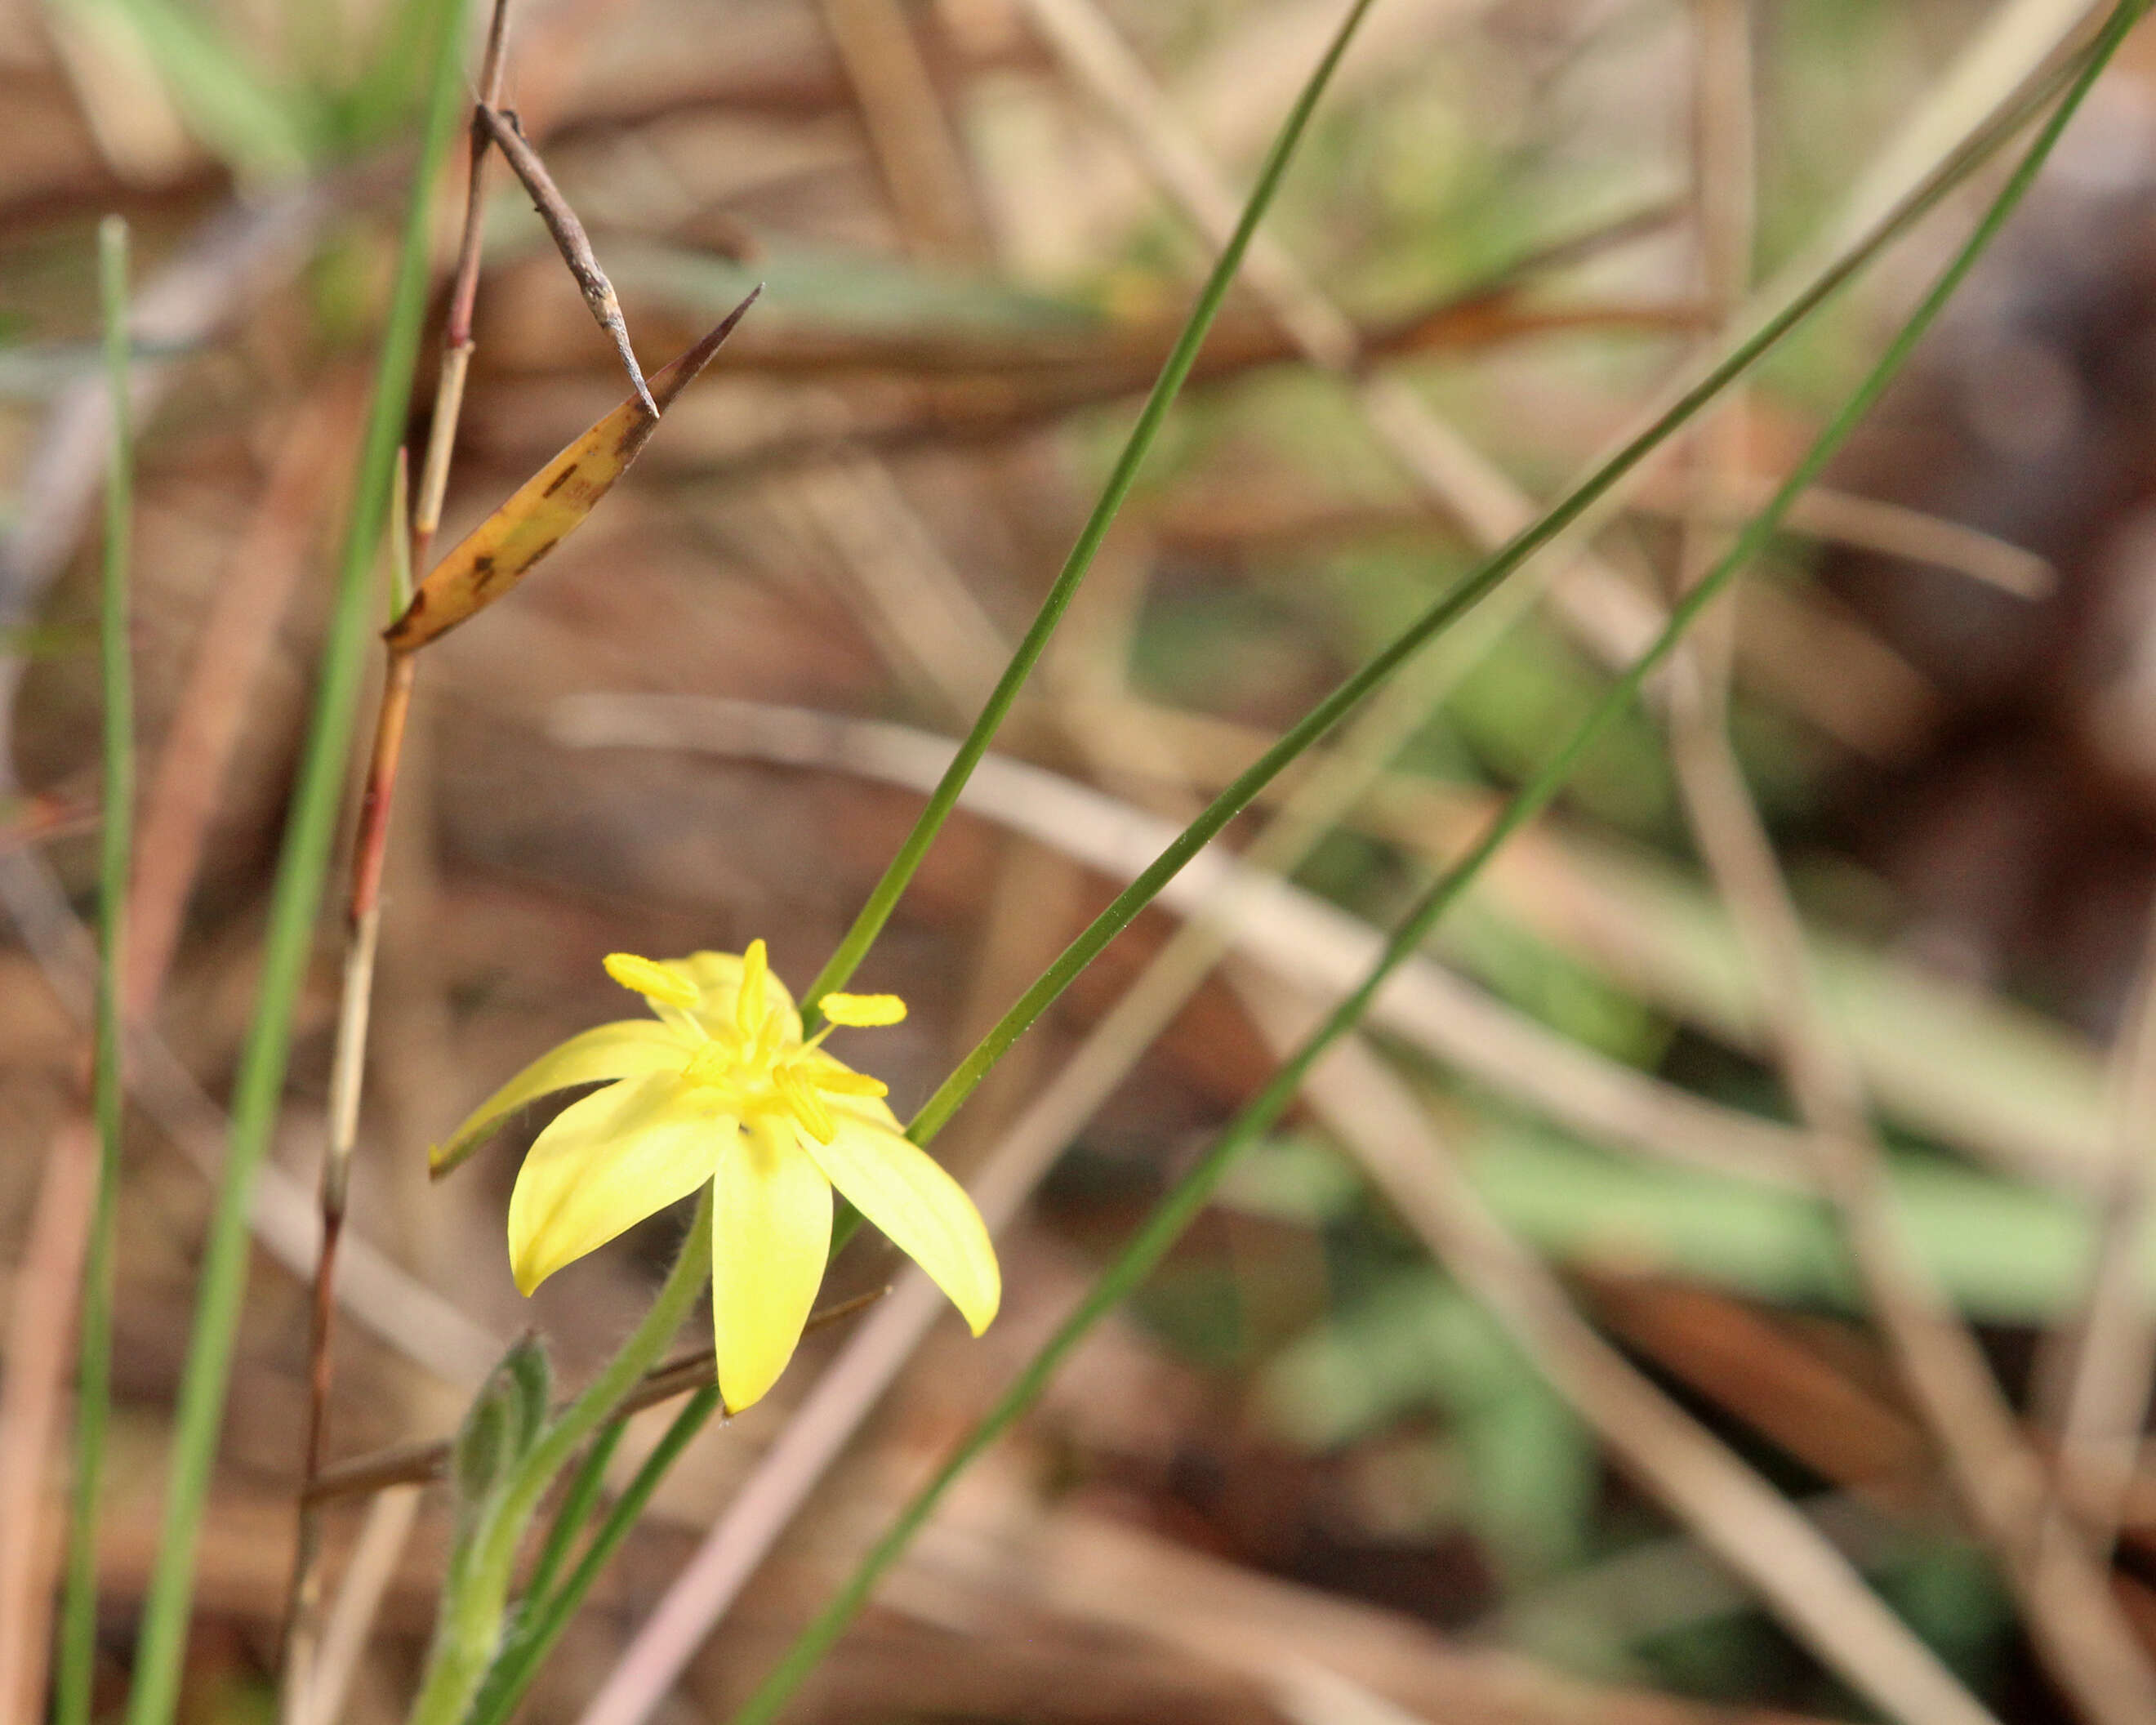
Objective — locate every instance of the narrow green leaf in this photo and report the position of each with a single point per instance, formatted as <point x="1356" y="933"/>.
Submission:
<point x="295" y="899"/>
<point x="78" y="1649"/>
<point x="884" y="898"/>
<point x="468" y="1628"/>
<point x="257" y="129"/>
<point x="1182" y="1205"/>
<point x="574" y="1510"/>
<point x="1464" y="596"/>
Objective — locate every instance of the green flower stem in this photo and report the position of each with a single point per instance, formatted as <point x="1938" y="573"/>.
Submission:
<point x="546" y="1615"/>
<point x="1487" y="576"/>
<point x="308" y="833"/>
<point x="575" y="1508"/>
<point x="840" y="967"/>
<point x="476" y="1597"/>
<point x="78" y="1644"/>
<point x="1182" y="1205"/>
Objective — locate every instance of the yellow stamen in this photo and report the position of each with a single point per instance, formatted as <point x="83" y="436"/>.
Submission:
<point x="807" y="1107"/>
<point x="863" y="1010"/>
<point x="654" y="981"/>
<point x="748" y="1008"/>
<point x="843" y="1082"/>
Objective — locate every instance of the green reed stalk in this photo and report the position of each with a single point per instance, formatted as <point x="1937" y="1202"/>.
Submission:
<point x="1189" y="1195"/>
<point x="77" y="1643"/>
<point x="884" y="898"/>
<point x="296" y="900"/>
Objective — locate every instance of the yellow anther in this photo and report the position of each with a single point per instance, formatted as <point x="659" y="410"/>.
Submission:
<point x="654" y="981"/>
<point x="807" y="1107"/>
<point x="748" y="1008"/>
<point x="863" y="1009"/>
<point x="844" y="1081"/>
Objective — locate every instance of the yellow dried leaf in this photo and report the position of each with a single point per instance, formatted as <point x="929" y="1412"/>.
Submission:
<point x="547" y="508"/>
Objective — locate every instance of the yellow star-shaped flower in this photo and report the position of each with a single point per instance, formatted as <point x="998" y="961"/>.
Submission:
<point x="721" y="1086"/>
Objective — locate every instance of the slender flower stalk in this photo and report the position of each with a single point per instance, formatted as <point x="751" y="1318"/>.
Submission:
<point x="475" y="1596"/>
<point x="78" y="1647"/>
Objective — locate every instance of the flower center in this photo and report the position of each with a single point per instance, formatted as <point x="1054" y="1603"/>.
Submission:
<point x="758" y="1065"/>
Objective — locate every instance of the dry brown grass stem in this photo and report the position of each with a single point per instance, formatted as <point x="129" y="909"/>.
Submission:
<point x="570" y="239"/>
<point x="367" y="1574"/>
<point x="2106" y="1355"/>
<point x="41" y="1323"/>
<point x="923" y="170"/>
<point x="2064" y="1594"/>
<point x="1291" y="933"/>
<point x="376" y="1291"/>
<point x="297" y="1688"/>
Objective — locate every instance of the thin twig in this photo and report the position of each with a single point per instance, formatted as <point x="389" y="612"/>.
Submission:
<point x="569" y="236"/>
<point x="416" y="1464"/>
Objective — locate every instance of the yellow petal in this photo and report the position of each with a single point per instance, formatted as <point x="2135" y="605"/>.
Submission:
<point x="905" y="1192"/>
<point x="771" y="1233"/>
<point x="627" y="1050"/>
<point x="605" y="1164"/>
<point x="862" y="1009"/>
<point x="717" y="977"/>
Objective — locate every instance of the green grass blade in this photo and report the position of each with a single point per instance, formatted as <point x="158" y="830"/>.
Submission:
<point x="884" y="896"/>
<point x="547" y="1613"/>
<point x="256" y="127"/>
<point x="574" y="1510"/>
<point x="1182" y="1204"/>
<point x="78" y="1645"/>
<point x="296" y="898"/>
<point x="1468" y="591"/>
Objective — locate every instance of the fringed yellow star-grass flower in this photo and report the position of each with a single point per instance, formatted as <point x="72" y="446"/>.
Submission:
<point x="720" y="1085"/>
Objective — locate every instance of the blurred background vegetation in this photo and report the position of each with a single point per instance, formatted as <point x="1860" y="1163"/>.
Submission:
<point x="1307" y="1456"/>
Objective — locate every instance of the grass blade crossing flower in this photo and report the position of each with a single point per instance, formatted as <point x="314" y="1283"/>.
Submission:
<point x="721" y="1086"/>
